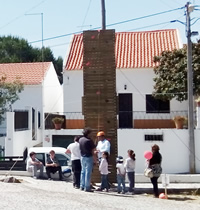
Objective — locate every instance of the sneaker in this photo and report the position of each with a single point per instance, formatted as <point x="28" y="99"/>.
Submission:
<point x="99" y="189"/>
<point x="81" y="188"/>
<point x="89" y="190"/>
<point x="50" y="179"/>
<point x="34" y="177"/>
<point x="130" y="193"/>
<point x="118" y="192"/>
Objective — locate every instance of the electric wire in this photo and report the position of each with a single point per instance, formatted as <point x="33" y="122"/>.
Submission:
<point x="117" y="23"/>
<point x="86" y="14"/>
<point x="20" y="16"/>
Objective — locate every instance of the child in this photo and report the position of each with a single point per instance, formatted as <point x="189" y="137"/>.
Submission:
<point x="130" y="169"/>
<point x="103" y="168"/>
<point x="120" y="174"/>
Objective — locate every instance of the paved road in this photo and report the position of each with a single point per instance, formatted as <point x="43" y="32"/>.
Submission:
<point x="42" y="195"/>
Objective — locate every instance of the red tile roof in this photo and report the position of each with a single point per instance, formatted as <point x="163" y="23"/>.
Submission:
<point x="132" y="49"/>
<point x="28" y="73"/>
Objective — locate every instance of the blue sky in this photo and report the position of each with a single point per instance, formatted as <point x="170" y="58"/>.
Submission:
<point x="62" y="17"/>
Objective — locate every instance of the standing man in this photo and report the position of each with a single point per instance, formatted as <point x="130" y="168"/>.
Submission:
<point x="103" y="145"/>
<point x="33" y="165"/>
<point x="52" y="165"/>
<point x="87" y="150"/>
<point x="74" y="149"/>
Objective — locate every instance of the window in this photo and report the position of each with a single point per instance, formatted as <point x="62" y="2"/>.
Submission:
<point x="150" y="137"/>
<point x="156" y="105"/>
<point x="40" y="157"/>
<point x="63" y="160"/>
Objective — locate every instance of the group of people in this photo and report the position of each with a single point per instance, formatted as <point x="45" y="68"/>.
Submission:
<point x="52" y="166"/>
<point x="85" y="154"/>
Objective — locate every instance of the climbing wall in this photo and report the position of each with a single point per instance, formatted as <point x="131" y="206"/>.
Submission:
<point x="99" y="100"/>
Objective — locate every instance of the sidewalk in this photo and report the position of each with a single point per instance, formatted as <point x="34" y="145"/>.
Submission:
<point x="178" y="183"/>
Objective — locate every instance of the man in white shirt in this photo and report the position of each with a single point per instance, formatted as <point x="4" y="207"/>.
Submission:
<point x="74" y="149"/>
<point x="103" y="144"/>
<point x="33" y="165"/>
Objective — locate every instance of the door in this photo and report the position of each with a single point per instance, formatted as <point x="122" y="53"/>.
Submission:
<point x="125" y="110"/>
<point x="62" y="140"/>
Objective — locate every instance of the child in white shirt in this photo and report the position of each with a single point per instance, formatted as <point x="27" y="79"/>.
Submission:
<point x="120" y="175"/>
<point x="103" y="168"/>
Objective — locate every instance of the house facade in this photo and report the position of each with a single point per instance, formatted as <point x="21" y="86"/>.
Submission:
<point x="42" y="94"/>
<point x="134" y="53"/>
<point x="142" y="120"/>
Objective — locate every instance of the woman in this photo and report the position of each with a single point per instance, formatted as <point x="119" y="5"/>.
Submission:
<point x="155" y="165"/>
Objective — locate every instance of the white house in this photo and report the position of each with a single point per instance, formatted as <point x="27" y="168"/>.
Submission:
<point x="42" y="94"/>
<point x="150" y="120"/>
<point x="134" y="53"/>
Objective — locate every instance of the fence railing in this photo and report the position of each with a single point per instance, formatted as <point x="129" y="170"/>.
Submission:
<point x="135" y="119"/>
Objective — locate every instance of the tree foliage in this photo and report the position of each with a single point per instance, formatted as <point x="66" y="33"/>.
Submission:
<point x="16" y="50"/>
<point x="171" y="74"/>
<point x="8" y="94"/>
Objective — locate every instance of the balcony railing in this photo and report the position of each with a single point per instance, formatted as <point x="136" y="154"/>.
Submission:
<point x="136" y="119"/>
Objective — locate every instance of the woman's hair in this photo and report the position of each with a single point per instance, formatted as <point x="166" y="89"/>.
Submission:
<point x="87" y="131"/>
<point x="107" y="155"/>
<point x="76" y="138"/>
<point x="131" y="154"/>
<point x="155" y="148"/>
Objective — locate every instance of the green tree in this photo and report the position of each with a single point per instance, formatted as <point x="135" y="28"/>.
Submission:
<point x="15" y="50"/>
<point x="171" y="74"/>
<point x="8" y="94"/>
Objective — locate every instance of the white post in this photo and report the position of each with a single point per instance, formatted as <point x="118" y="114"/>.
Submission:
<point x="10" y="130"/>
<point x="198" y="117"/>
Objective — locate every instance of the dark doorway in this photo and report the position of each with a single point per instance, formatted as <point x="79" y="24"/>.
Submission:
<point x="62" y="140"/>
<point x="125" y="110"/>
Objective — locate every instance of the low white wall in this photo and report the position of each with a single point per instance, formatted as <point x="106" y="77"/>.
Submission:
<point x="47" y="141"/>
<point x="17" y="141"/>
<point x="174" y="148"/>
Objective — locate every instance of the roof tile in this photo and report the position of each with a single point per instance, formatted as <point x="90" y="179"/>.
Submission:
<point x="132" y="49"/>
<point x="28" y="73"/>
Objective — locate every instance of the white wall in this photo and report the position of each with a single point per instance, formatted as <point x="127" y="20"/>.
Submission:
<point x="138" y="81"/>
<point x="73" y="90"/>
<point x="197" y="149"/>
<point x="47" y="141"/>
<point x="174" y="148"/>
<point x="30" y="96"/>
<point x="17" y="141"/>
<point x="53" y="92"/>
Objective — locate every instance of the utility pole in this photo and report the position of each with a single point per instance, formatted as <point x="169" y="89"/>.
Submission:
<point x="103" y="14"/>
<point x="189" y="9"/>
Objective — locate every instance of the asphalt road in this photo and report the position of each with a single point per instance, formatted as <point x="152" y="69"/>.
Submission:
<point x="43" y="194"/>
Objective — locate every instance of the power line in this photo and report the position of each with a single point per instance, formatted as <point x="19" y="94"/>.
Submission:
<point x="147" y="16"/>
<point x="117" y="23"/>
<point x="18" y="17"/>
<point x="86" y="14"/>
<point x="150" y="26"/>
